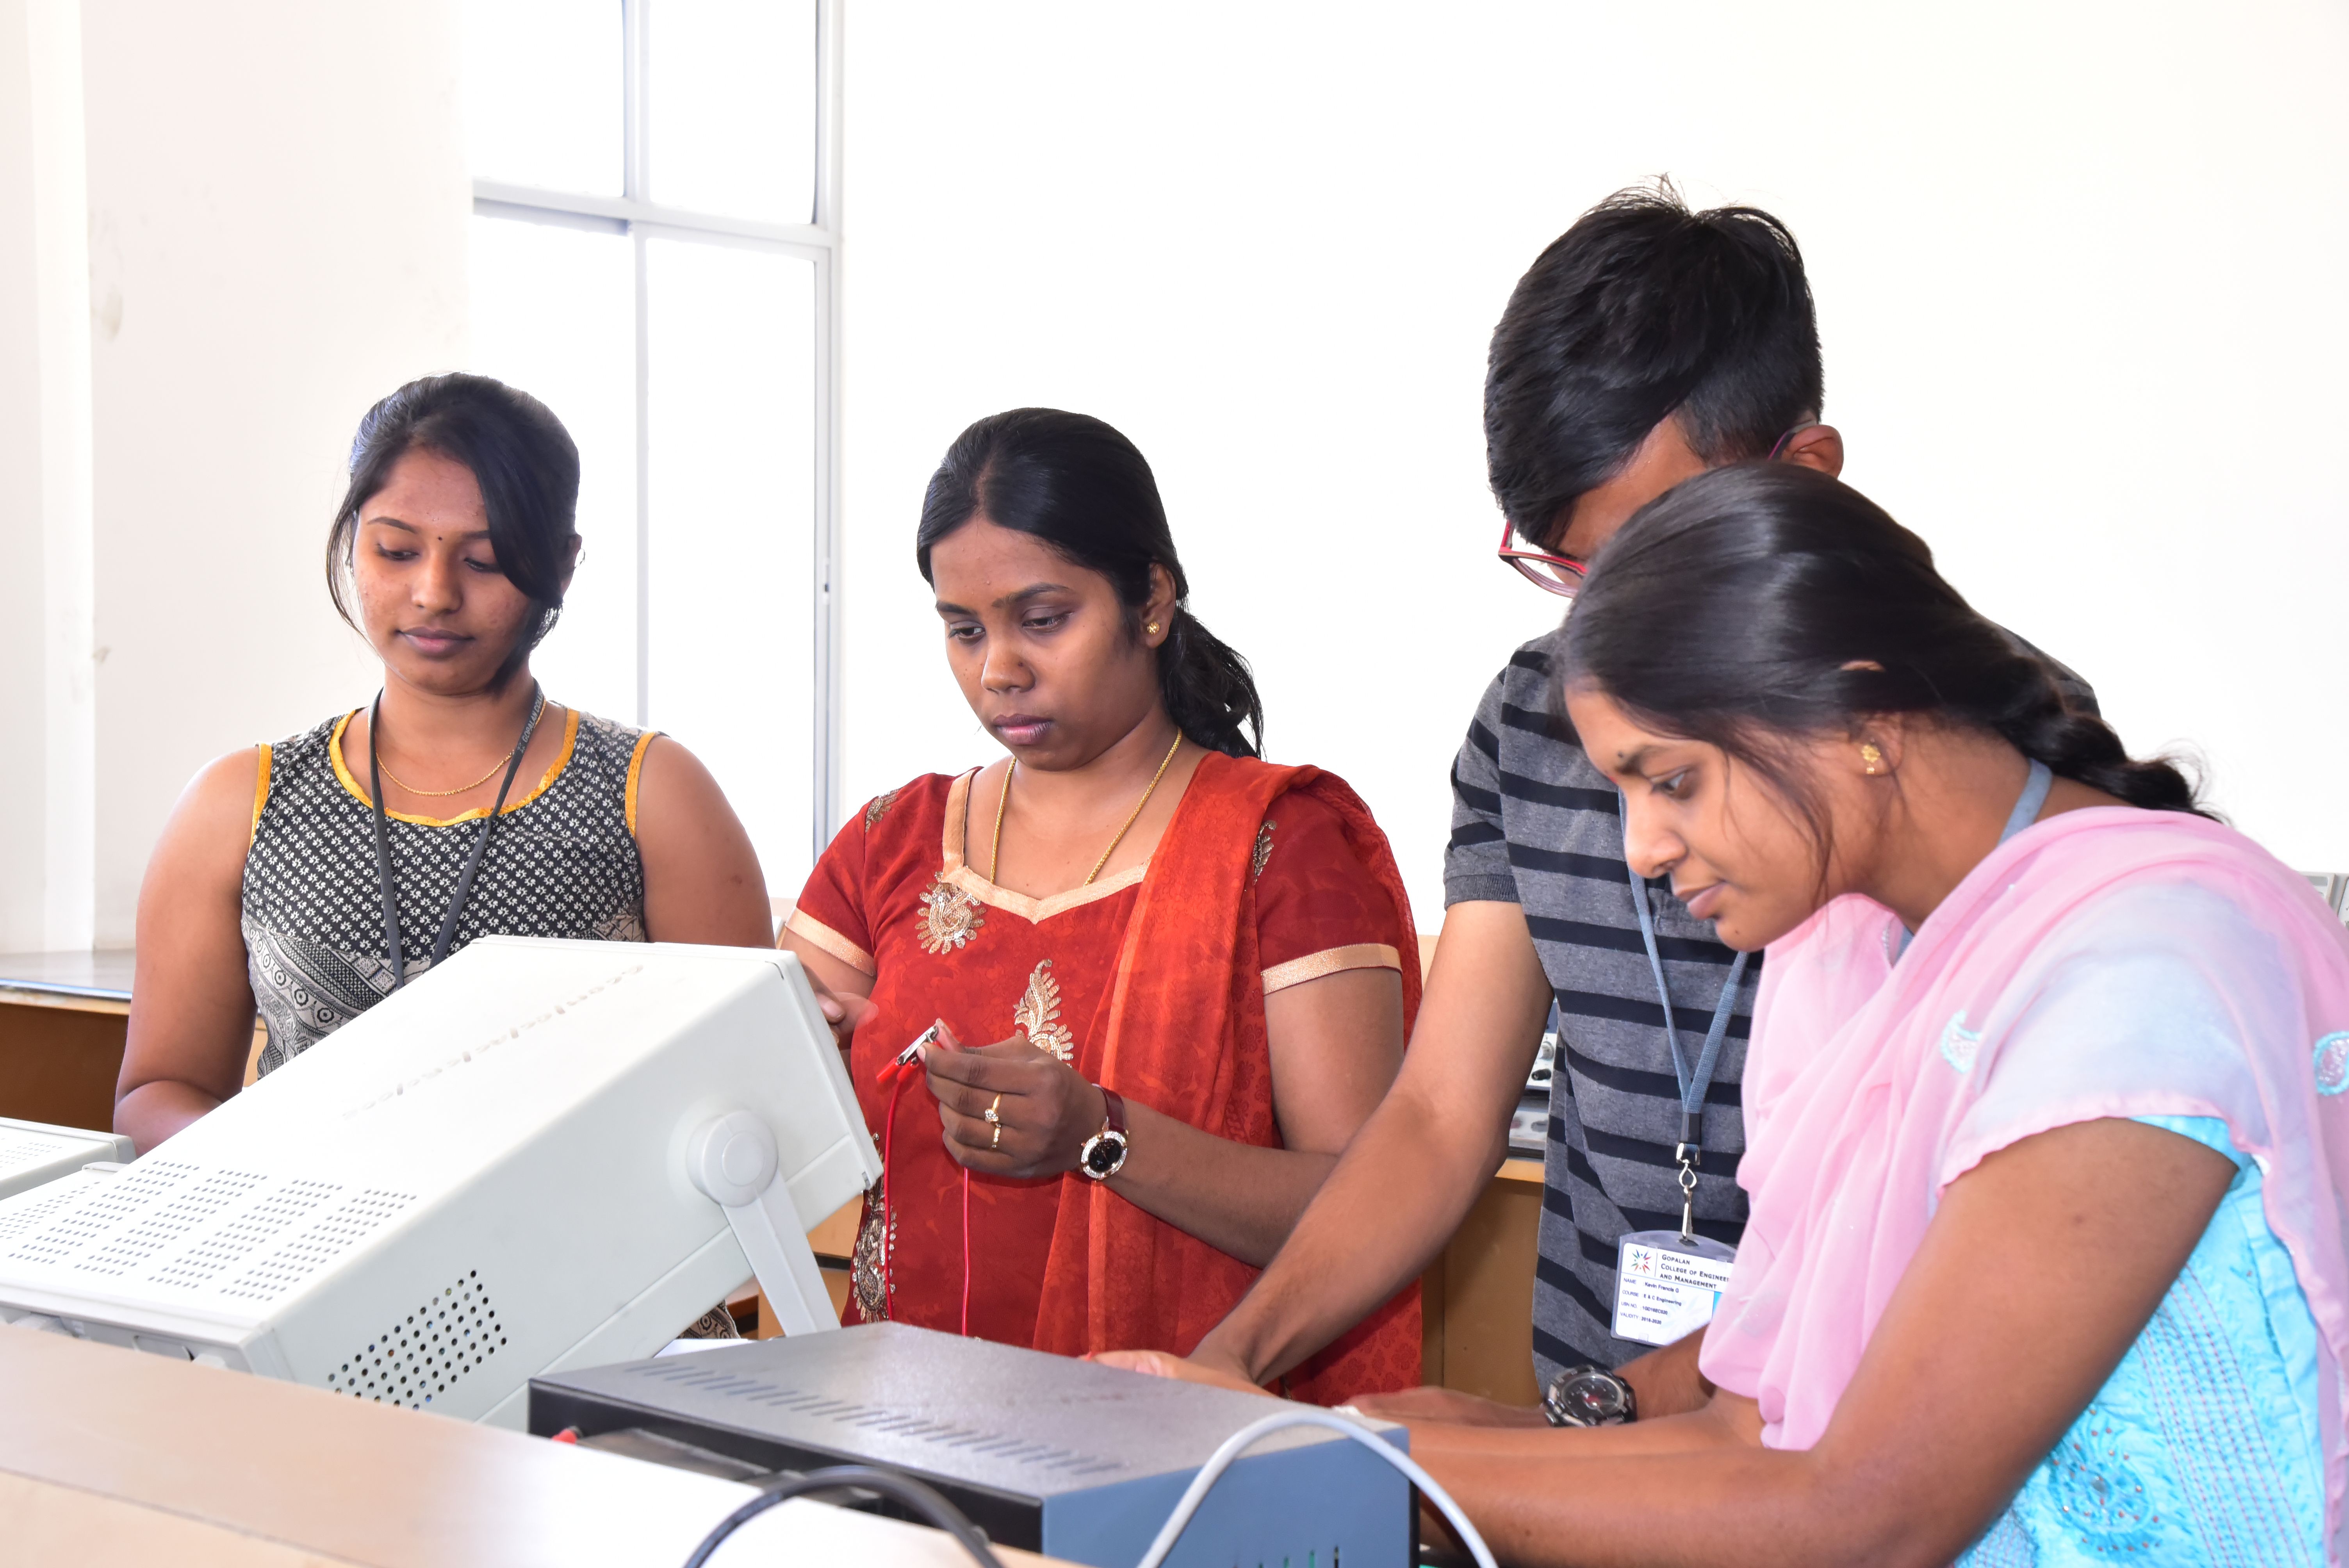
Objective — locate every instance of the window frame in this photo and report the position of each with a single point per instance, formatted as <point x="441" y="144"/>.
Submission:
<point x="632" y="214"/>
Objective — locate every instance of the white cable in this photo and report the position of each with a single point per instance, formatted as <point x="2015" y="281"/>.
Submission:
<point x="1239" y="1442"/>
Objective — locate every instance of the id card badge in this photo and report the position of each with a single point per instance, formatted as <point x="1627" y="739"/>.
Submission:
<point x="1666" y="1288"/>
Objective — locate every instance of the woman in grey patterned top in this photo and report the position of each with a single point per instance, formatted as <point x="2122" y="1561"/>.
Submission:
<point x="451" y="554"/>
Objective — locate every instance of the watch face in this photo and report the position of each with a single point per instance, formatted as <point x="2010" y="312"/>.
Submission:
<point x="1589" y="1398"/>
<point x="1103" y="1153"/>
<point x="1594" y="1396"/>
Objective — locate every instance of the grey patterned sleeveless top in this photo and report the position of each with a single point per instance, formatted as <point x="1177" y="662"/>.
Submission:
<point x="562" y="862"/>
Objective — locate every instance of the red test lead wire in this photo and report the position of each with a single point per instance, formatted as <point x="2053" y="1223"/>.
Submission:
<point x="895" y="1073"/>
<point x="888" y="1252"/>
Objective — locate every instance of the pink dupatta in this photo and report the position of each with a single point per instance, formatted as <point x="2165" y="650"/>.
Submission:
<point x="1865" y="1087"/>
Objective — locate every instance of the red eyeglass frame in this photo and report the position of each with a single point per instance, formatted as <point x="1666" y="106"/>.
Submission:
<point x="1569" y="571"/>
<point x="1564" y="586"/>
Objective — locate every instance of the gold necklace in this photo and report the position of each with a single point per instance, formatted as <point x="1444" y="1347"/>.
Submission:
<point x="442" y="794"/>
<point x="995" y="850"/>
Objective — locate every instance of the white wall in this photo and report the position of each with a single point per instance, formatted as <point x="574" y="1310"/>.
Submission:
<point x="2079" y="269"/>
<point x="47" y="700"/>
<point x="2081" y="290"/>
<point x="276" y="209"/>
<point x="23" y="711"/>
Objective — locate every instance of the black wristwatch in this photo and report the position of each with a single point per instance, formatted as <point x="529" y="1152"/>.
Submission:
<point x="1103" y="1154"/>
<point x="1590" y="1396"/>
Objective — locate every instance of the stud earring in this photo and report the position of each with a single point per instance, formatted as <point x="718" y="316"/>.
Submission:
<point x="1874" y="758"/>
<point x="1151" y="628"/>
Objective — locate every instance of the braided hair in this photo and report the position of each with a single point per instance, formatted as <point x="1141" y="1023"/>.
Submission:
<point x="1766" y="600"/>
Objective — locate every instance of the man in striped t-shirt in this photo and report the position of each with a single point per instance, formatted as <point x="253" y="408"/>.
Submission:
<point x="1536" y="827"/>
<point x="1646" y="344"/>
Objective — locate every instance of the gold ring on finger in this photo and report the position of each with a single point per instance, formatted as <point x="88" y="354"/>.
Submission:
<point x="996" y="1141"/>
<point x="993" y="1120"/>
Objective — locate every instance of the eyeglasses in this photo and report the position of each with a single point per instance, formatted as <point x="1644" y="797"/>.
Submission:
<point x="1563" y="574"/>
<point x="1558" y="574"/>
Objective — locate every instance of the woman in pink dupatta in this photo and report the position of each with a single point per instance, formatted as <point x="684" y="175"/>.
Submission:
<point x="2047" y="1260"/>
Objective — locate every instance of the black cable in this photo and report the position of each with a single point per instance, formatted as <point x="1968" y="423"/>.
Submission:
<point x="921" y="1499"/>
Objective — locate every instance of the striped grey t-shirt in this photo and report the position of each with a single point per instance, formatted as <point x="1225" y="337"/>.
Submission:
<point x="1535" y="824"/>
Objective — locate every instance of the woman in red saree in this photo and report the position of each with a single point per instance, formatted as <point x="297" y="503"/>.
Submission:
<point x="1155" y="927"/>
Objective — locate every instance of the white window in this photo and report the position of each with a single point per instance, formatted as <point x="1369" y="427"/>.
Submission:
<point x="655" y="256"/>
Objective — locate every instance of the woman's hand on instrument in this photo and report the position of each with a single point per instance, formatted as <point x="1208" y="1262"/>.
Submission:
<point x="1165" y="1364"/>
<point x="842" y="1010"/>
<point x="1043" y="1109"/>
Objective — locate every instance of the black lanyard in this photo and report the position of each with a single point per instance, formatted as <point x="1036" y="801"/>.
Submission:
<point x="383" y="873"/>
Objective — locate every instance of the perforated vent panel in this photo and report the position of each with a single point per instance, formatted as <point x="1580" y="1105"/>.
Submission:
<point x="43" y="1202"/>
<point x="104" y="1209"/>
<point x="20" y="1150"/>
<point x="328" y="1239"/>
<point x="423" y="1355"/>
<point x="196" y="1233"/>
<point x="170" y="1220"/>
<point x="1007" y="1448"/>
<point x="230" y="1242"/>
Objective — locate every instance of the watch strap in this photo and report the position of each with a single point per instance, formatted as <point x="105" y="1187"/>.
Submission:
<point x="1114" y="1104"/>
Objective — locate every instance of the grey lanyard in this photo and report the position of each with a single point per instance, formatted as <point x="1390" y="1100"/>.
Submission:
<point x="383" y="871"/>
<point x="1689" y="1151"/>
<point x="2025" y="812"/>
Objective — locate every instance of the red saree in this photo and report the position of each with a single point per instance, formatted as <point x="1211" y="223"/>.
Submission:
<point x="1152" y="981"/>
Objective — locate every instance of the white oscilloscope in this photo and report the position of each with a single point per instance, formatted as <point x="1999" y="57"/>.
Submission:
<point x="540" y="1156"/>
<point x="34" y="1154"/>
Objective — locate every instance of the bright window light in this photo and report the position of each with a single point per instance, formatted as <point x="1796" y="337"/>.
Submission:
<point x="553" y="314"/>
<point x="546" y="93"/>
<point x="733" y="107"/>
<point x="733" y="512"/>
<point x="652" y="259"/>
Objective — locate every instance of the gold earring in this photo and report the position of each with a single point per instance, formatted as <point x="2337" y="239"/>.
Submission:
<point x="1872" y="756"/>
<point x="1151" y="628"/>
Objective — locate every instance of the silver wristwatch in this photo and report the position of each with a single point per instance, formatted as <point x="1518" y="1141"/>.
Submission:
<point x="1589" y="1397"/>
